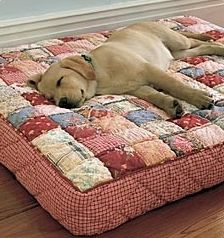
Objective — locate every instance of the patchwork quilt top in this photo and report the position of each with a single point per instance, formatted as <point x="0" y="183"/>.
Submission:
<point x="116" y="157"/>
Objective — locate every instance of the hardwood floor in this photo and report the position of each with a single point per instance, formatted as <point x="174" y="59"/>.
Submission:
<point x="197" y="216"/>
<point x="211" y="14"/>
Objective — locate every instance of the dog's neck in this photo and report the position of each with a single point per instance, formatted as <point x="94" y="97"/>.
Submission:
<point x="91" y="89"/>
<point x="92" y="84"/>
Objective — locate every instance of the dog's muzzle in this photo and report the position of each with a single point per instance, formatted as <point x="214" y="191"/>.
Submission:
<point x="65" y="103"/>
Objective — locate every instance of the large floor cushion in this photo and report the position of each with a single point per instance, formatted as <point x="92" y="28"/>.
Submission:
<point x="117" y="157"/>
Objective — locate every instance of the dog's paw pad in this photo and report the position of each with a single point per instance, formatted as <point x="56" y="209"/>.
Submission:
<point x="178" y="109"/>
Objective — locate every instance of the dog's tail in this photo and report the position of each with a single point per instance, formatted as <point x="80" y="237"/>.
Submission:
<point x="197" y="36"/>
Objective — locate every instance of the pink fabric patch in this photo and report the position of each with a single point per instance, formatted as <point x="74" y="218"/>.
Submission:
<point x="102" y="143"/>
<point x="199" y="28"/>
<point x="99" y="112"/>
<point x="195" y="60"/>
<point x="210" y="66"/>
<point x="59" y="49"/>
<point x="81" y="45"/>
<point x="211" y="80"/>
<point x="29" y="67"/>
<point x="135" y="135"/>
<point x="37" y="126"/>
<point x="186" y="21"/>
<point x="11" y="75"/>
<point x="82" y="132"/>
<point x="215" y="34"/>
<point x="120" y="161"/>
<point x="154" y="152"/>
<point x="112" y="124"/>
<point x="36" y="99"/>
<point x="182" y="144"/>
<point x="189" y="121"/>
<point x="209" y="135"/>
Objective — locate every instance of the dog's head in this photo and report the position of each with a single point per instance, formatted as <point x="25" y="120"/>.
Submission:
<point x="69" y="82"/>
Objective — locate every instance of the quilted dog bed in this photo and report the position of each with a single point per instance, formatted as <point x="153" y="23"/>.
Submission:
<point x="117" y="157"/>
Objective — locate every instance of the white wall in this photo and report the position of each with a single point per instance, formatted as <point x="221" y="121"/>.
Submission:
<point x="10" y="9"/>
<point x="22" y="21"/>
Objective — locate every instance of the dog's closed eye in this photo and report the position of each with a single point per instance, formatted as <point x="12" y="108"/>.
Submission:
<point x="59" y="82"/>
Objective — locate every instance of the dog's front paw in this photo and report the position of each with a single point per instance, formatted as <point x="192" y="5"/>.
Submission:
<point x="202" y="99"/>
<point x="174" y="109"/>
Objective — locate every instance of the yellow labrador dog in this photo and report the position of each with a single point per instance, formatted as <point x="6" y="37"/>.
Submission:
<point x="132" y="61"/>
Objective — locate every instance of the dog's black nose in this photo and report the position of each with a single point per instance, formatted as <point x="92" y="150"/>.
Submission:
<point x="64" y="102"/>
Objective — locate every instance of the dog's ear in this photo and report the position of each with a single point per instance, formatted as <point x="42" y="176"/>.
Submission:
<point x="34" y="80"/>
<point x="79" y="65"/>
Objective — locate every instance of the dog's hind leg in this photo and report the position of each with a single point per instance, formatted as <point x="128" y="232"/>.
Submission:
<point x="200" y="49"/>
<point x="171" y="105"/>
<point x="178" y="41"/>
<point x="176" y="88"/>
<point x="197" y="36"/>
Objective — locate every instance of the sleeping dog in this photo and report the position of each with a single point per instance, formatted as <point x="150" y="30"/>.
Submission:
<point x="132" y="61"/>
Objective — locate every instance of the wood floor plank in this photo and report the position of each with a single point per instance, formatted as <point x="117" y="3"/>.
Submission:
<point x="34" y="223"/>
<point x="14" y="199"/>
<point x="5" y="175"/>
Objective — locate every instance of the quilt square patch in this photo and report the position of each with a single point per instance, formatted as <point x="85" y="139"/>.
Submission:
<point x="123" y="107"/>
<point x="96" y="112"/>
<point x="121" y="161"/>
<point x="210" y="67"/>
<point x="192" y="72"/>
<point x="80" y="46"/>
<point x="189" y="121"/>
<point x="186" y="21"/>
<point x="11" y="75"/>
<point x="208" y="135"/>
<point x="29" y="67"/>
<point x="37" y="126"/>
<point x="82" y="132"/>
<point x="59" y="146"/>
<point x="12" y="105"/>
<point x="59" y="49"/>
<point x="162" y="128"/>
<point x="211" y="80"/>
<point x="94" y="38"/>
<point x="135" y="135"/>
<point x="37" y="54"/>
<point x="7" y="93"/>
<point x="36" y="99"/>
<point x="195" y="60"/>
<point x="111" y="124"/>
<point x="142" y="116"/>
<point x="210" y="114"/>
<point x="68" y="119"/>
<point x="183" y="144"/>
<point x="17" y="118"/>
<point x="48" y="110"/>
<point x="89" y="174"/>
<point x="199" y="28"/>
<point x="102" y="143"/>
<point x="154" y="152"/>
<point x="215" y="34"/>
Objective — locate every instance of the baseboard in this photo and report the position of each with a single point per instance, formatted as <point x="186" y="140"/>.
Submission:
<point x="31" y="29"/>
